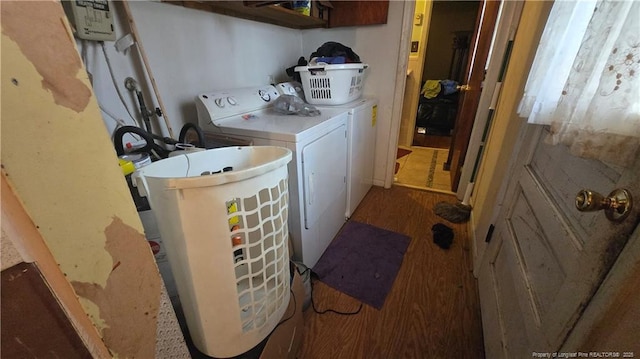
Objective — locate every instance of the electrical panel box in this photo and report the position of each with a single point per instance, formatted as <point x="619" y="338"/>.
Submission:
<point x="91" y="20"/>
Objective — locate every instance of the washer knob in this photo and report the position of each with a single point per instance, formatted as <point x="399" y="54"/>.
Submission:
<point x="264" y="95"/>
<point x="219" y="102"/>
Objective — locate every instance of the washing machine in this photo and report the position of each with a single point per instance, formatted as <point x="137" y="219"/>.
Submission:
<point x="361" y="142"/>
<point x="317" y="172"/>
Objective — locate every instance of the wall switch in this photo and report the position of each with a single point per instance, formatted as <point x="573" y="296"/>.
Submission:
<point x="414" y="46"/>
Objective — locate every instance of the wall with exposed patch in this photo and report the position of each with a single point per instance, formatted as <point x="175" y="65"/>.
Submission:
<point x="61" y="163"/>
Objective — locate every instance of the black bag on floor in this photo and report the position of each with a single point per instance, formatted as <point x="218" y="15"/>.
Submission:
<point x="442" y="235"/>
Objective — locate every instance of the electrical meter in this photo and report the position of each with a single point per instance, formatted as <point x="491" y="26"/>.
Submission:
<point x="91" y="20"/>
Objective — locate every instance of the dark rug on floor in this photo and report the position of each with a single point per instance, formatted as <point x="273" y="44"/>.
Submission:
<point x="363" y="262"/>
<point x="402" y="152"/>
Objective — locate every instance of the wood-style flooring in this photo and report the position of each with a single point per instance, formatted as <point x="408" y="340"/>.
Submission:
<point x="425" y="140"/>
<point x="433" y="309"/>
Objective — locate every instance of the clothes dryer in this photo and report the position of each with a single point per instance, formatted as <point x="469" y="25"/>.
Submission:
<point x="361" y="142"/>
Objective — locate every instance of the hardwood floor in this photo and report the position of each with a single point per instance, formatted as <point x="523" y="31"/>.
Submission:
<point x="433" y="309"/>
<point x="425" y="140"/>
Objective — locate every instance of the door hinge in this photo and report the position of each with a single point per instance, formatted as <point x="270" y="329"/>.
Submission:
<point x="489" y="233"/>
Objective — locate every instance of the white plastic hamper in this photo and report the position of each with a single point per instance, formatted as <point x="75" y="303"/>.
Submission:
<point x="226" y="236"/>
<point x="325" y="84"/>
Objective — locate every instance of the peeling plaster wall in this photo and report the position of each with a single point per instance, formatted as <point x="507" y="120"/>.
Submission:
<point x="9" y="255"/>
<point x="61" y="162"/>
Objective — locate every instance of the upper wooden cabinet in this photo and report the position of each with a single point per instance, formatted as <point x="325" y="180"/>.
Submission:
<point x="341" y="13"/>
<point x="358" y="13"/>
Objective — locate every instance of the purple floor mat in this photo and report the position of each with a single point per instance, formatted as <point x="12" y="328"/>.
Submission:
<point x="363" y="261"/>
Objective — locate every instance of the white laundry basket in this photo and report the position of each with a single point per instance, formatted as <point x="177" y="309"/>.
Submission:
<point x="226" y="236"/>
<point x="325" y="84"/>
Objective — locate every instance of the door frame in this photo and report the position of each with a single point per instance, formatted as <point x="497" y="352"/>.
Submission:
<point x="469" y="102"/>
<point x="499" y="48"/>
<point x="506" y="25"/>
<point x="410" y="104"/>
<point x="398" y="94"/>
<point x="507" y="132"/>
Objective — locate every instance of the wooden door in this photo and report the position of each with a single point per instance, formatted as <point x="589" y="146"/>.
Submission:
<point x="546" y="259"/>
<point x="469" y="99"/>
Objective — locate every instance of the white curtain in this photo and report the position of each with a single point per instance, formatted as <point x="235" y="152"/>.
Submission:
<point x="585" y="79"/>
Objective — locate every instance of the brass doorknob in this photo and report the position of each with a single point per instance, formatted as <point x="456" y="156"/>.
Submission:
<point x="617" y="206"/>
<point x="463" y="88"/>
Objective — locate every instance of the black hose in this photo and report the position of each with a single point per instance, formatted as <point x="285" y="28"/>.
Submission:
<point x="192" y="126"/>
<point x="149" y="147"/>
<point x="167" y="140"/>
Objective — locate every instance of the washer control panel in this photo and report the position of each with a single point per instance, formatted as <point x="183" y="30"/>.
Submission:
<point x="217" y="105"/>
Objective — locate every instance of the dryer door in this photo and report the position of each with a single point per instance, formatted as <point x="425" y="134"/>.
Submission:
<point x="324" y="167"/>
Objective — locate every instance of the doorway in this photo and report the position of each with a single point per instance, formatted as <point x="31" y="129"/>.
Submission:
<point x="442" y="31"/>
